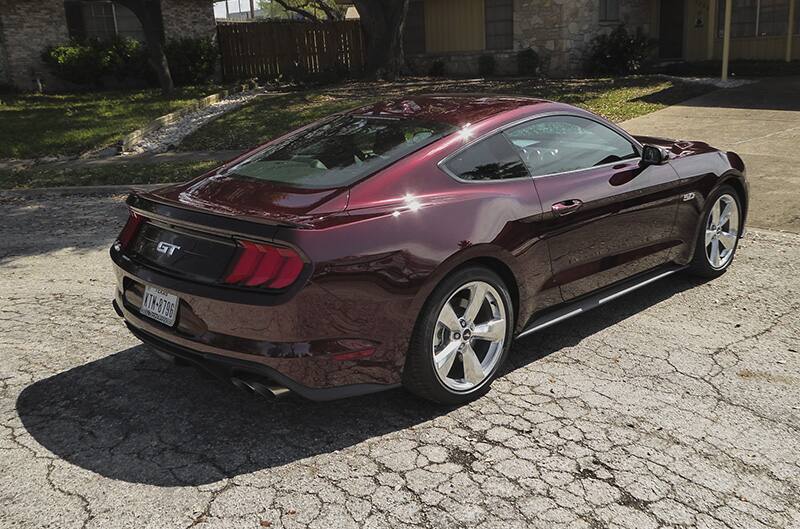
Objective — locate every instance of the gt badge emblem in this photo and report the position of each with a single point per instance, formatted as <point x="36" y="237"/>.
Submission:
<point x="167" y="248"/>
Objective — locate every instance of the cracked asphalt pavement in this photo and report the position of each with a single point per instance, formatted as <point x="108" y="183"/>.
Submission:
<point x="678" y="406"/>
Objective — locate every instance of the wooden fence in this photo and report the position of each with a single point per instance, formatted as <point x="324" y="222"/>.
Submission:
<point x="291" y="49"/>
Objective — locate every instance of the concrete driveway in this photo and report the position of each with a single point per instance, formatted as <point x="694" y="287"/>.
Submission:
<point x="676" y="407"/>
<point x="759" y="121"/>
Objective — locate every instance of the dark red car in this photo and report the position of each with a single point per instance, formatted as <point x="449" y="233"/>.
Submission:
<point x="410" y="241"/>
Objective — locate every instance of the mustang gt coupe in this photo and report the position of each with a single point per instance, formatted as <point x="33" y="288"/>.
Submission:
<point x="409" y="242"/>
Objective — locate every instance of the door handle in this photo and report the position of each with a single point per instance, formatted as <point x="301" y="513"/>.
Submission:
<point x="565" y="207"/>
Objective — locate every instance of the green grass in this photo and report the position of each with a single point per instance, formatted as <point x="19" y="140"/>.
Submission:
<point x="110" y="174"/>
<point x="33" y="126"/>
<point x="617" y="99"/>
<point x="68" y="124"/>
<point x="265" y="118"/>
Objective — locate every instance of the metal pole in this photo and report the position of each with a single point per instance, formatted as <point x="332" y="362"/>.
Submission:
<point x="726" y="39"/>
<point x="790" y="35"/>
<point x="252" y="10"/>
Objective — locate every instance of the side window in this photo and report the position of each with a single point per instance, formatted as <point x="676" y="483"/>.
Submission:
<point x="558" y="144"/>
<point x="490" y="159"/>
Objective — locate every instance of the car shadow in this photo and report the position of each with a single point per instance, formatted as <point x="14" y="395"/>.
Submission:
<point x="131" y="417"/>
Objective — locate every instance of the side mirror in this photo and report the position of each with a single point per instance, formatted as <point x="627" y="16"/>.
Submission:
<point x="652" y="155"/>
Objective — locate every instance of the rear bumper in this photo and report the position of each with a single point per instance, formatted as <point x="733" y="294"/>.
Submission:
<point x="235" y="366"/>
<point x="313" y="343"/>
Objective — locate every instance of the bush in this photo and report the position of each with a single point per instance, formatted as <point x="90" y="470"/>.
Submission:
<point x="618" y="52"/>
<point x="191" y="61"/>
<point x="437" y="68"/>
<point x="87" y="63"/>
<point x="92" y="62"/>
<point x="528" y="62"/>
<point x="76" y="62"/>
<point x="486" y="65"/>
<point x="127" y="59"/>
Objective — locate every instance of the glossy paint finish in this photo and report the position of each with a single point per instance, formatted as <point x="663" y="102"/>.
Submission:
<point x="377" y="248"/>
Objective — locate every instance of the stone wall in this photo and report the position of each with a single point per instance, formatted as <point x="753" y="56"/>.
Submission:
<point x="560" y="30"/>
<point x="29" y="27"/>
<point x="188" y="18"/>
<point x="463" y="64"/>
<point x="4" y="73"/>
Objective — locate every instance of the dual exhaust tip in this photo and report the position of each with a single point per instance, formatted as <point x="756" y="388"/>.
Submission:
<point x="259" y="386"/>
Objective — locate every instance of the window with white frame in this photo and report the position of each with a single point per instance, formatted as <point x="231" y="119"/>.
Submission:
<point x="755" y="18"/>
<point x="609" y="10"/>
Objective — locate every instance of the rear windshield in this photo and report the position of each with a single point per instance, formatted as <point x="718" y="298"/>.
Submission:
<point x="339" y="152"/>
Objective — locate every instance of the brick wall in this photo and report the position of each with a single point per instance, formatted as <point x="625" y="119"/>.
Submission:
<point x="188" y="18"/>
<point x="560" y="30"/>
<point x="28" y="28"/>
<point x="4" y="79"/>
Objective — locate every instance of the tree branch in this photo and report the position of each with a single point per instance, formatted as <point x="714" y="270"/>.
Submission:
<point x="297" y="9"/>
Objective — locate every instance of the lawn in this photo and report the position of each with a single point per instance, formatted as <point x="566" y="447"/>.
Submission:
<point x="268" y="116"/>
<point x="110" y="174"/>
<point x="33" y="126"/>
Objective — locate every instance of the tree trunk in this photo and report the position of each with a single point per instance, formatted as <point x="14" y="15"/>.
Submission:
<point x="383" y="22"/>
<point x="149" y="14"/>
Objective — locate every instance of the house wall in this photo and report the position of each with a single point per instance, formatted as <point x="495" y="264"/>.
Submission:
<point x="560" y="31"/>
<point x="4" y="78"/>
<point x="29" y="27"/>
<point x="454" y="25"/>
<point x="696" y="42"/>
<point x="188" y="18"/>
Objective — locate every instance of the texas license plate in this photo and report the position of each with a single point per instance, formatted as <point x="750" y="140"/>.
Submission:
<point x="159" y="305"/>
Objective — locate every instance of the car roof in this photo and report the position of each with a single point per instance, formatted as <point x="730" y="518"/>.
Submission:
<point x="451" y="109"/>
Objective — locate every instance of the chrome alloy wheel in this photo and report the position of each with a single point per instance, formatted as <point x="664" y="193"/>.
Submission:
<point x="469" y="336"/>
<point x="722" y="230"/>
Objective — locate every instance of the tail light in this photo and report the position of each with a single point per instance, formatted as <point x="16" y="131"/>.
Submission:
<point x="264" y="265"/>
<point x="130" y="229"/>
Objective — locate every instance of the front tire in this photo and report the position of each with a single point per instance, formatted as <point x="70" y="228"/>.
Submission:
<point x="461" y="339"/>
<point x="719" y="234"/>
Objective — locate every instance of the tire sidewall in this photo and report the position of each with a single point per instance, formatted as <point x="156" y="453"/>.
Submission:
<point x="440" y="296"/>
<point x="700" y="262"/>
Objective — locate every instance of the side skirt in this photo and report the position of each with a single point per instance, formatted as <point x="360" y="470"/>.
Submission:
<point x="597" y="299"/>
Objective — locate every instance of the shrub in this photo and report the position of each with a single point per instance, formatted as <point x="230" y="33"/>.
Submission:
<point x="191" y="61"/>
<point x="127" y="59"/>
<point x="76" y="62"/>
<point x="528" y="62"/>
<point x="486" y="65"/>
<point x="437" y="68"/>
<point x="87" y="63"/>
<point x="618" y="52"/>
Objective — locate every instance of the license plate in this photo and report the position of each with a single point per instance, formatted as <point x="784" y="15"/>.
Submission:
<point x="159" y="305"/>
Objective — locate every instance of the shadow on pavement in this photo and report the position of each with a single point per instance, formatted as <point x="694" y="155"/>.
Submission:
<point x="55" y="222"/>
<point x="131" y="417"/>
<point x="776" y="93"/>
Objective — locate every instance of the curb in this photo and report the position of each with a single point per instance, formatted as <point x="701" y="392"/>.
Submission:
<point x="122" y="189"/>
<point x="131" y="138"/>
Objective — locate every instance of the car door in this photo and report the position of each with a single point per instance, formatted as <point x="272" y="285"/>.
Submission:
<point x="607" y="217"/>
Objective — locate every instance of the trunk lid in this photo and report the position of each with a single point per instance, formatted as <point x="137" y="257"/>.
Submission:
<point x="261" y="201"/>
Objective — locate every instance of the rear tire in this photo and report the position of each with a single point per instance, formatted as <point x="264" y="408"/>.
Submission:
<point x="718" y="237"/>
<point x="461" y="339"/>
